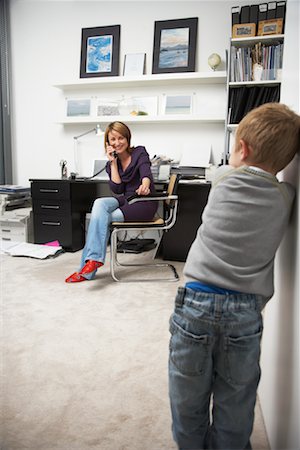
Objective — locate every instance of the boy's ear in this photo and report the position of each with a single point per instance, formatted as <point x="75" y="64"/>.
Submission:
<point x="244" y="150"/>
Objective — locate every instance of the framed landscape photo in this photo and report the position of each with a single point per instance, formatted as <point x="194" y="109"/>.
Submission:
<point x="78" y="107"/>
<point x="177" y="104"/>
<point x="270" y="26"/>
<point x="174" y="48"/>
<point x="100" y="48"/>
<point x="241" y="30"/>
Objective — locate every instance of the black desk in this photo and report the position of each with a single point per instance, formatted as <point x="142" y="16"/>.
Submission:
<point x="60" y="206"/>
<point x="192" y="198"/>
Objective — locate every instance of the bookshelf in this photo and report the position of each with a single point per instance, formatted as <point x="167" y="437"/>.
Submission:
<point x="253" y="77"/>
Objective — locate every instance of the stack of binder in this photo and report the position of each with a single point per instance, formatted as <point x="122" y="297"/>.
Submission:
<point x="257" y="13"/>
<point x="244" y="99"/>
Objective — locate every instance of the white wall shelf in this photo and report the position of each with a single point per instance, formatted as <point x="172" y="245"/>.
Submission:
<point x="189" y="78"/>
<point x="254" y="83"/>
<point x="254" y="39"/>
<point x="143" y="119"/>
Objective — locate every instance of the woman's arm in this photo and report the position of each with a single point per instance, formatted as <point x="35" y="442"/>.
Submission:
<point x="144" y="187"/>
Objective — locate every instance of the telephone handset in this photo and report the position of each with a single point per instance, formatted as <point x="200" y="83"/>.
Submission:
<point x="114" y="153"/>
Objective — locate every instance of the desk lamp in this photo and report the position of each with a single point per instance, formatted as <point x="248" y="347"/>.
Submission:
<point x="99" y="132"/>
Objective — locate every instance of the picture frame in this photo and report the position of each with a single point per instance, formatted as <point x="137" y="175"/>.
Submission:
<point x="78" y="107"/>
<point x="270" y="26"/>
<point x="177" y="104"/>
<point x="241" y="30"/>
<point x="134" y="64"/>
<point x="174" y="46"/>
<point x="107" y="107"/>
<point x="100" y="49"/>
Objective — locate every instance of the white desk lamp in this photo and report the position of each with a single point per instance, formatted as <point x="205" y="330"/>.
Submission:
<point x="99" y="132"/>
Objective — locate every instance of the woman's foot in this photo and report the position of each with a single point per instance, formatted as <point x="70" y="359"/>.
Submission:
<point x="75" y="278"/>
<point x="90" y="267"/>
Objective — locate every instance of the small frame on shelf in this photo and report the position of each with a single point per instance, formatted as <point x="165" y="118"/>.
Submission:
<point x="174" y="47"/>
<point x="241" y="30"/>
<point x="107" y="107"/>
<point x="271" y="26"/>
<point x="100" y="47"/>
<point x="134" y="64"/>
<point x="177" y="104"/>
<point x="78" y="107"/>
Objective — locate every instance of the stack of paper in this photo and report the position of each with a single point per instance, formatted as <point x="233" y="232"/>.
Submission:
<point x="32" y="250"/>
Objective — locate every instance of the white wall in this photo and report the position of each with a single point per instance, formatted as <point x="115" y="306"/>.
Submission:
<point x="279" y="387"/>
<point x="46" y="41"/>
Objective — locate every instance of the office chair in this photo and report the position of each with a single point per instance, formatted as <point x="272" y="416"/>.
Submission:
<point x="170" y="202"/>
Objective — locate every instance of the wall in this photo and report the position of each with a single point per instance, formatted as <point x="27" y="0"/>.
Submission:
<point x="46" y="41"/>
<point x="279" y="387"/>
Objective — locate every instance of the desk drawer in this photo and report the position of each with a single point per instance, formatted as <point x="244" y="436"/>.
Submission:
<point x="50" y="189"/>
<point x="51" y="208"/>
<point x="67" y="230"/>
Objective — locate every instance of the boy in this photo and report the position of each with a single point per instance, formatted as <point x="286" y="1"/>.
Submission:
<point x="216" y="327"/>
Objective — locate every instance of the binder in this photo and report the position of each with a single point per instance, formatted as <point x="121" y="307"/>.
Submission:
<point x="271" y="13"/>
<point x="235" y="15"/>
<point x="253" y="14"/>
<point x="262" y="11"/>
<point x="280" y="12"/>
<point x="245" y="14"/>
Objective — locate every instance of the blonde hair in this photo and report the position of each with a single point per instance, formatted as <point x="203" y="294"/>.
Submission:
<point x="121" y="128"/>
<point x="272" y="131"/>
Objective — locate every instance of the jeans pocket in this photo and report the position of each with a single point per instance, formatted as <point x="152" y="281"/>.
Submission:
<point x="243" y="355"/>
<point x="188" y="352"/>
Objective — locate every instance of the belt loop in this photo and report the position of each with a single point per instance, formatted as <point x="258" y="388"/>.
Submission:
<point x="179" y="300"/>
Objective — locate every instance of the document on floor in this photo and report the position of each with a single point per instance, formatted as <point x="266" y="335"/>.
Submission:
<point x="38" y="251"/>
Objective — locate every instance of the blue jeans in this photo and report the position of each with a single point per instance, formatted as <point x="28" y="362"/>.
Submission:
<point x="105" y="211"/>
<point x="214" y="361"/>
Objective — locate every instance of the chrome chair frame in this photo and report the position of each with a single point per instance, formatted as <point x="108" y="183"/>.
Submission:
<point x="171" y="202"/>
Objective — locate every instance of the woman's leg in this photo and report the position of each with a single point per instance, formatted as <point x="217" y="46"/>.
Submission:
<point x="105" y="210"/>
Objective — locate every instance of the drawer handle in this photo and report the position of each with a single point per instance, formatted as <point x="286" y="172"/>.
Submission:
<point x="49" y="190"/>
<point x="50" y="206"/>
<point x="57" y="224"/>
<point x="6" y="231"/>
<point x="6" y="239"/>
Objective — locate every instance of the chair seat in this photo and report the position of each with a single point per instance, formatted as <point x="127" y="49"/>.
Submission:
<point x="156" y="221"/>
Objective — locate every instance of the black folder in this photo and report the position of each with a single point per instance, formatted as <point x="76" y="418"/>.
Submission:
<point x="280" y="12"/>
<point x="262" y="11"/>
<point x="271" y="13"/>
<point x="253" y="14"/>
<point x="245" y="14"/>
<point x="235" y="15"/>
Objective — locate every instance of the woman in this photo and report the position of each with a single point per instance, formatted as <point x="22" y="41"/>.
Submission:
<point x="129" y="170"/>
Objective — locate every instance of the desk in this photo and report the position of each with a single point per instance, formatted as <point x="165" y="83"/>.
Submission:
<point x="192" y="198"/>
<point x="59" y="209"/>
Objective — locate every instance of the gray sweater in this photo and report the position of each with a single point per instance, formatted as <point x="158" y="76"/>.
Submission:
<point x="242" y="225"/>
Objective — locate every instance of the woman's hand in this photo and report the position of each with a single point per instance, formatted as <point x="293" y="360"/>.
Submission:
<point x="109" y="151"/>
<point x="144" y="188"/>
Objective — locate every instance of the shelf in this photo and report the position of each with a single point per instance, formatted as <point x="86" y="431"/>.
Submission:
<point x="143" y="119"/>
<point x="255" y="39"/>
<point x="234" y="84"/>
<point x="189" y="78"/>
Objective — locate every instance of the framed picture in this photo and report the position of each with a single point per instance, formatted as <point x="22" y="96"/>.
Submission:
<point x="145" y="106"/>
<point x="100" y="48"/>
<point x="177" y="104"/>
<point x="241" y="30"/>
<point x="107" y="107"/>
<point x="134" y="64"/>
<point x="271" y="26"/>
<point x="174" y="48"/>
<point x="78" y="107"/>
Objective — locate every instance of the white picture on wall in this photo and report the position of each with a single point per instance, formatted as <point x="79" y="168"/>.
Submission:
<point x="107" y="107"/>
<point x="177" y="104"/>
<point x="78" y="107"/>
<point x="134" y="64"/>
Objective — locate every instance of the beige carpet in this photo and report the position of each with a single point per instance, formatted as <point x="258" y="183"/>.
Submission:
<point x="85" y="366"/>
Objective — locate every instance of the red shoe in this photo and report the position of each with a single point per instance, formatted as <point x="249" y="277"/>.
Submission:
<point x="90" y="267"/>
<point x="75" y="278"/>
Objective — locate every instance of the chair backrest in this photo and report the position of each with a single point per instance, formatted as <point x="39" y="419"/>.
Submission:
<point x="172" y="186"/>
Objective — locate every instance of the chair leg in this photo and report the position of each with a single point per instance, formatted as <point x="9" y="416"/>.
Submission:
<point x="114" y="262"/>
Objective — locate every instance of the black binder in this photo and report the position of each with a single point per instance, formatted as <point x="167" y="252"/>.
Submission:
<point x="235" y="15"/>
<point x="280" y="12"/>
<point x="253" y="14"/>
<point x="271" y="13"/>
<point x="245" y="14"/>
<point x="262" y="11"/>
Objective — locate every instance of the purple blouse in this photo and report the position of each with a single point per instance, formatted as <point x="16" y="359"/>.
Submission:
<point x="131" y="178"/>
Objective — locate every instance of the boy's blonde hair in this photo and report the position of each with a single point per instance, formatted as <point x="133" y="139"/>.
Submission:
<point x="272" y="131"/>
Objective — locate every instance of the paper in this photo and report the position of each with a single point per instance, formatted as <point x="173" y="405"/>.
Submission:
<point x="196" y="157"/>
<point x="39" y="251"/>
